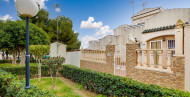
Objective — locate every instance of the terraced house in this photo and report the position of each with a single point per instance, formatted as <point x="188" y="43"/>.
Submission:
<point x="153" y="50"/>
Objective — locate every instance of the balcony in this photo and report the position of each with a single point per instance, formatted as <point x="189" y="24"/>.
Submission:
<point x="155" y="59"/>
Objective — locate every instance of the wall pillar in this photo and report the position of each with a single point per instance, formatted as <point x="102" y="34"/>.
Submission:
<point x="187" y="55"/>
<point x="110" y="50"/>
<point x="179" y="38"/>
<point x="131" y="59"/>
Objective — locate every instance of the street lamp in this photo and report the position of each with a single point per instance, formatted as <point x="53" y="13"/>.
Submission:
<point x="28" y="9"/>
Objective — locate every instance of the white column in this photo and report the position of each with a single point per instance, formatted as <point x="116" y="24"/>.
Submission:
<point x="169" y="60"/>
<point x="138" y="59"/>
<point x="144" y="58"/>
<point x="179" y="38"/>
<point x="160" y="59"/>
<point x="152" y="59"/>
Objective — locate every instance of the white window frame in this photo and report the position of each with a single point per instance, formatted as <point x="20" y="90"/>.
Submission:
<point x="156" y="41"/>
<point x="150" y="48"/>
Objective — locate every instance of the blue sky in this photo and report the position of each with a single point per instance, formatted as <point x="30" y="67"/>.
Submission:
<point x="99" y="17"/>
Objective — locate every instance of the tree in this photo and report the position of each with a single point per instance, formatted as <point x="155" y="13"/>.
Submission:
<point x="54" y="65"/>
<point x="39" y="51"/>
<point x="13" y="37"/>
<point x="41" y="19"/>
<point x="66" y="34"/>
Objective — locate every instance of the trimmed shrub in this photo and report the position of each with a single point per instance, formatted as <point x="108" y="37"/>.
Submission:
<point x="11" y="86"/>
<point x="17" y="61"/>
<point x="112" y="85"/>
<point x="20" y="70"/>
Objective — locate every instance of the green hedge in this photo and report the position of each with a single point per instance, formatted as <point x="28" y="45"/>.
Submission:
<point x="112" y="85"/>
<point x="20" y="70"/>
<point x="17" y="61"/>
<point x="11" y="86"/>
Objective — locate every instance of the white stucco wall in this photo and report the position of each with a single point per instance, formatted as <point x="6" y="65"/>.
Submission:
<point x="73" y="58"/>
<point x="145" y="14"/>
<point x="168" y="17"/>
<point x="135" y="33"/>
<point x="1" y="56"/>
<point x="141" y="20"/>
<point x="119" y="30"/>
<point x="187" y="56"/>
<point x="61" y="50"/>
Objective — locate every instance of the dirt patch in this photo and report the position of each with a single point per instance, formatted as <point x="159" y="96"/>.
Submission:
<point x="82" y="92"/>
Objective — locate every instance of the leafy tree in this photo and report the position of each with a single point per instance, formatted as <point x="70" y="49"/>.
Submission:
<point x="41" y="19"/>
<point x="66" y="34"/>
<point x="13" y="37"/>
<point x="54" y="65"/>
<point x="39" y="51"/>
<point x="65" y="27"/>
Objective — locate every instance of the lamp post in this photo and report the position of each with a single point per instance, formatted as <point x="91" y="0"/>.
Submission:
<point x="28" y="9"/>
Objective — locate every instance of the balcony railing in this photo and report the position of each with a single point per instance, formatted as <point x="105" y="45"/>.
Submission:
<point x="94" y="55"/>
<point x="155" y="59"/>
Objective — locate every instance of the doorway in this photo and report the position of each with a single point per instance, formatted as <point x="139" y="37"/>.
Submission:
<point x="156" y="45"/>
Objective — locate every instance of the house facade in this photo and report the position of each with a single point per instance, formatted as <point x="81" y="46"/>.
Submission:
<point x="155" y="48"/>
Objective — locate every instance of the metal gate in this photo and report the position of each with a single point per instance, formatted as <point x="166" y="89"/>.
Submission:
<point x="120" y="64"/>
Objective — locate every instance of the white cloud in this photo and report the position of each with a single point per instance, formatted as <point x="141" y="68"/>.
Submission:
<point x="58" y="10"/>
<point x="7" y="16"/>
<point x="85" y="40"/>
<point x="104" y="30"/>
<point x="6" y="0"/>
<point x="90" y="24"/>
<point x="42" y="3"/>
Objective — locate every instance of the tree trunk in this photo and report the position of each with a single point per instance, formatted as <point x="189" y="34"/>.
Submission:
<point x="3" y="55"/>
<point x="54" y="86"/>
<point x="31" y="57"/>
<point x="23" y="58"/>
<point x="39" y="70"/>
<point x="14" y="57"/>
<point x="7" y="54"/>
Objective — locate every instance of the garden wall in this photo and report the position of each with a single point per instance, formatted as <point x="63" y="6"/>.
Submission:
<point x="174" y="80"/>
<point x="73" y="58"/>
<point x="107" y="67"/>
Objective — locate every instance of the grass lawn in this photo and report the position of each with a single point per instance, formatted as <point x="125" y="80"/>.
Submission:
<point x="62" y="90"/>
<point x="8" y="64"/>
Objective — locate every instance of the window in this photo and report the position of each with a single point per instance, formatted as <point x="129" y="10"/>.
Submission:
<point x="171" y="44"/>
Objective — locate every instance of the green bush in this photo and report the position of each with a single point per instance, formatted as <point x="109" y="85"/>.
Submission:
<point x="5" y="79"/>
<point x="11" y="86"/>
<point x="17" y="61"/>
<point x="20" y="70"/>
<point x="112" y="85"/>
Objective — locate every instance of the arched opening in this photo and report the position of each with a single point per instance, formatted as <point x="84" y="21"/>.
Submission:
<point x="160" y="43"/>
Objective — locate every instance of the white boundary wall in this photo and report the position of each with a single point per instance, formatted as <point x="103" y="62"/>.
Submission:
<point x="73" y="58"/>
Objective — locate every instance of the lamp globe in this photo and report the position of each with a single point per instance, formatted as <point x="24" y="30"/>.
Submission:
<point x="27" y="8"/>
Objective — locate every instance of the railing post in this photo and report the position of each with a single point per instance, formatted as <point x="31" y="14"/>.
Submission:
<point x="138" y="58"/>
<point x="160" y="59"/>
<point x="169" y="60"/>
<point x="101" y="58"/>
<point x="82" y="53"/>
<point x="145" y="58"/>
<point x="152" y="59"/>
<point x="93" y="55"/>
<point x="88" y="55"/>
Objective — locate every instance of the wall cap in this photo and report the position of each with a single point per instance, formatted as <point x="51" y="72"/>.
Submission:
<point x="179" y="55"/>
